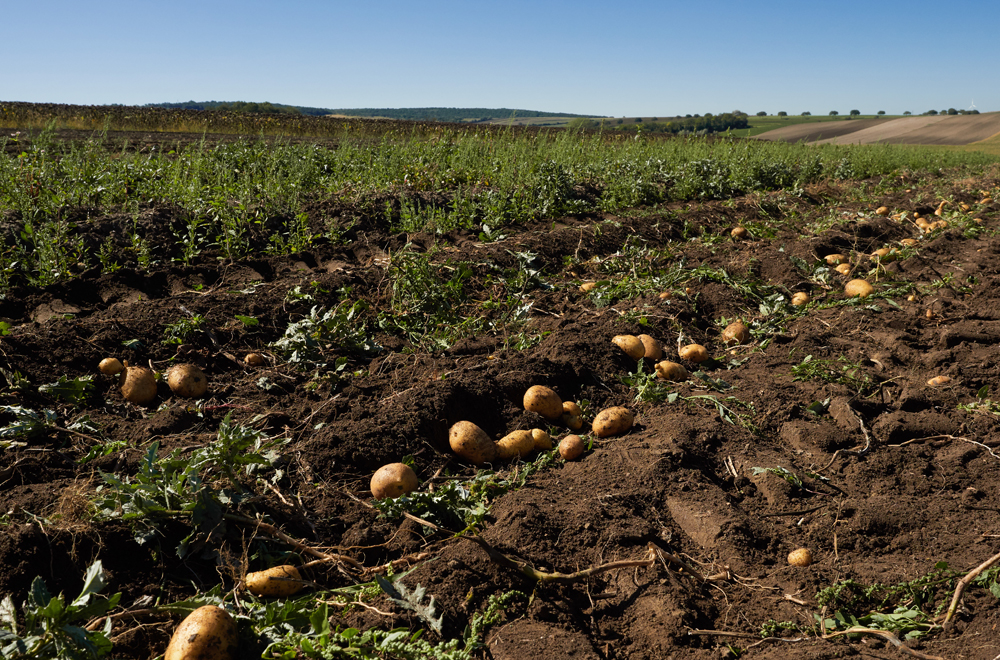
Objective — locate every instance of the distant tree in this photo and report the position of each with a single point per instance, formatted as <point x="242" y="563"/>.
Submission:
<point x="708" y="115"/>
<point x="655" y="119"/>
<point x="638" y="120"/>
<point x="931" y="112"/>
<point x="782" y="113"/>
<point x="881" y="112"/>
<point x="907" y="113"/>
<point x="761" y="114"/>
<point x="855" y="113"/>
<point x="620" y="120"/>
<point x="952" y="111"/>
<point x="689" y="116"/>
<point x="834" y="113"/>
<point x="697" y="115"/>
<point x="974" y="112"/>
<point x="806" y="114"/>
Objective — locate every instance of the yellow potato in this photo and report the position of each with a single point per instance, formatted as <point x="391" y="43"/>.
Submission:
<point x="188" y="381"/>
<point x="254" y="360"/>
<point x="613" y="421"/>
<point x="882" y="210"/>
<point x="631" y="344"/>
<point x="543" y="441"/>
<point x="277" y="582"/>
<point x="693" y="353"/>
<point x="514" y="444"/>
<point x="671" y="371"/>
<point x="843" y="269"/>
<point x="938" y="380"/>
<point x="739" y="233"/>
<point x="472" y="443"/>
<point x="800" y="557"/>
<point x="654" y="351"/>
<point x="571" y="447"/>
<point x="884" y="255"/>
<point x="573" y="422"/>
<point x="110" y="366"/>
<point x="834" y="259"/>
<point x="137" y="384"/>
<point x="544" y="401"/>
<point x="909" y="242"/>
<point x="736" y="333"/>
<point x="800" y="298"/>
<point x="859" y="289"/>
<point x="393" y="480"/>
<point x="208" y="633"/>
<point x="570" y="408"/>
<point x="587" y="287"/>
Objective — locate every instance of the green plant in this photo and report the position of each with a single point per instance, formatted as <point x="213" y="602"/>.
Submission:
<point x="310" y="342"/>
<point x="183" y="329"/>
<point x="52" y="628"/>
<point x="841" y="371"/>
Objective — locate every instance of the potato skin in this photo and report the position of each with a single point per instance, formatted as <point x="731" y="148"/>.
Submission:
<point x="654" y="351"/>
<point x="736" y="333"/>
<point x="693" y="352"/>
<point x="859" y="288"/>
<point x="800" y="298"/>
<point x="631" y="344"/>
<point x="672" y="371"/>
<point x="571" y="447"/>
<point x="208" y="633"/>
<point x="543" y="441"/>
<point x="544" y="401"/>
<point x="800" y="557"/>
<point x="276" y="581"/>
<point x="110" y="366"/>
<point x="472" y="443"/>
<point x="393" y="480"/>
<point x="514" y="444"/>
<point x="188" y="381"/>
<point x="138" y="385"/>
<point x="612" y="421"/>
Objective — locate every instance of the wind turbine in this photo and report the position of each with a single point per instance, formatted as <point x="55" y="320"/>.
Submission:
<point x="973" y="106"/>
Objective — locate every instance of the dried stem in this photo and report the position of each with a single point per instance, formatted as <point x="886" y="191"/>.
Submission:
<point x="962" y="584"/>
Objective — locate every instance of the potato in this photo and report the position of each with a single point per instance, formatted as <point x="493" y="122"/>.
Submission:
<point x="693" y="353"/>
<point x="208" y="633"/>
<point x="654" y="351"/>
<point x="938" y="380"/>
<point x="514" y="444"/>
<point x="834" y="259"/>
<point x="571" y="447"/>
<point x="800" y="557"/>
<point x="672" y="371"/>
<point x="254" y="360"/>
<point x="393" y="480"/>
<point x="923" y="224"/>
<point x="543" y="441"/>
<point x="964" y="206"/>
<point x="570" y="408"/>
<point x="613" y="421"/>
<point x="573" y="422"/>
<point x="471" y="443"/>
<point x="110" y="366"/>
<point x="587" y="287"/>
<point x="137" y="384"/>
<point x="882" y="210"/>
<point x="543" y="401"/>
<point x="858" y="289"/>
<point x="843" y="269"/>
<point x="800" y="298"/>
<point x="884" y="255"/>
<point x="736" y="333"/>
<point x="739" y="233"/>
<point x="278" y="582"/>
<point x="188" y="381"/>
<point x="909" y="242"/>
<point x="631" y="344"/>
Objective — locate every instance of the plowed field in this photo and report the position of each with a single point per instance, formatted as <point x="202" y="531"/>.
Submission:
<point x="820" y="432"/>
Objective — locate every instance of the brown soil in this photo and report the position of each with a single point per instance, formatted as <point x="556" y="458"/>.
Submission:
<point x="930" y="130"/>
<point x="901" y="478"/>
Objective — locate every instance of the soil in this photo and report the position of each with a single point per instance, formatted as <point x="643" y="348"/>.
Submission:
<point x="929" y="130"/>
<point x="894" y="480"/>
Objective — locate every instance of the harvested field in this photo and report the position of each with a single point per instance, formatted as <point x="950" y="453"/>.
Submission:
<point x="820" y="431"/>
<point x="927" y="130"/>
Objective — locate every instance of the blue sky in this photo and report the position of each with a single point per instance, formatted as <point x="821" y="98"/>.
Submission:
<point x="619" y="58"/>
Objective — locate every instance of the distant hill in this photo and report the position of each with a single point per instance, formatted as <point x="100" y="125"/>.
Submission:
<point x="415" y="114"/>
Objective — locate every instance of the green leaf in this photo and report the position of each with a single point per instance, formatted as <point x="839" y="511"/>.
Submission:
<point x="93" y="582"/>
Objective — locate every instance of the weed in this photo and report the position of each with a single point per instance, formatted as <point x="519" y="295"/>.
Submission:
<point x="310" y="342"/>
<point x="182" y="330"/>
<point x="52" y="628"/>
<point x="841" y="371"/>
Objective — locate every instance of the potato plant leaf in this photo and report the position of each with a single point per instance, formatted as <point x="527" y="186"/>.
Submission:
<point x="399" y="594"/>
